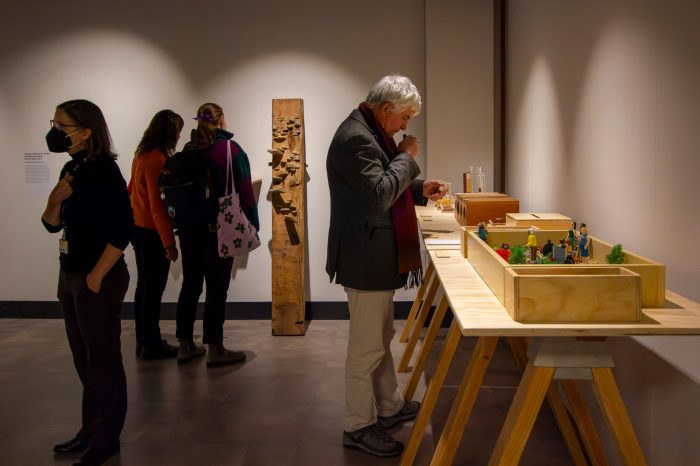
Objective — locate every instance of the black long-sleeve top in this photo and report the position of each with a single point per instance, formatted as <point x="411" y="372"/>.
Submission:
<point x="96" y="214"/>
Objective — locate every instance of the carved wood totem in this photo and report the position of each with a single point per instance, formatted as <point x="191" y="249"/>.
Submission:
<point x="288" y="196"/>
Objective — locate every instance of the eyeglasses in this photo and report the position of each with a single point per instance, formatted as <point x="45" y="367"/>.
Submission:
<point x="59" y="126"/>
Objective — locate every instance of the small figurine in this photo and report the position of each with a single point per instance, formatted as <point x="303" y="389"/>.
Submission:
<point x="569" y="259"/>
<point x="573" y="239"/>
<point x="532" y="244"/>
<point x="547" y="249"/>
<point x="559" y="252"/>
<point x="504" y="251"/>
<point x="584" y="244"/>
<point x="543" y="259"/>
<point x="482" y="232"/>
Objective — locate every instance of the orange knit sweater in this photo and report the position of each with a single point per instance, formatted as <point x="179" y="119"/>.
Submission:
<point x="149" y="209"/>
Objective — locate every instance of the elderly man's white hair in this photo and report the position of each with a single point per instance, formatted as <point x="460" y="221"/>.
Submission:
<point x="398" y="90"/>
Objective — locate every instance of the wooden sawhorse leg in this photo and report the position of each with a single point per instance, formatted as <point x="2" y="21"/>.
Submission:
<point x="584" y="421"/>
<point x="518" y="346"/>
<point x="570" y="359"/>
<point x="418" y="325"/>
<point x="431" y="395"/>
<point x="522" y="415"/>
<point x="616" y="414"/>
<point x="410" y="320"/>
<point x="464" y="402"/>
<point x="427" y="345"/>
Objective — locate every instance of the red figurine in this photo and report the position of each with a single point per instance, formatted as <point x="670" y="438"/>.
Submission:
<point x="504" y="251"/>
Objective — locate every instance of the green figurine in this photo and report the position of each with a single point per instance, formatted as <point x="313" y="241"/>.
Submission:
<point x="584" y="244"/>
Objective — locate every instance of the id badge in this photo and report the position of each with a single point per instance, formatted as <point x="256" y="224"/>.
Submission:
<point x="63" y="246"/>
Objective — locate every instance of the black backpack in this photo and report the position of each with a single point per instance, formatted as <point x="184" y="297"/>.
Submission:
<point x="185" y="188"/>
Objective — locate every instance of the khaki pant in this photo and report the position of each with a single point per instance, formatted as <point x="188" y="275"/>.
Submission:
<point x="370" y="377"/>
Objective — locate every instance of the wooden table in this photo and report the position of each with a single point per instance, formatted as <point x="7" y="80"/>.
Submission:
<point x="478" y="313"/>
<point x="440" y="231"/>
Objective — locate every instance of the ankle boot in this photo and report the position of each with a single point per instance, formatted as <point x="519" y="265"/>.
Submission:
<point x="160" y="351"/>
<point x="188" y="351"/>
<point x="217" y="355"/>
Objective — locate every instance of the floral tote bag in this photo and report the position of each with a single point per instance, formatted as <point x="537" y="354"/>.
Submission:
<point x="236" y="236"/>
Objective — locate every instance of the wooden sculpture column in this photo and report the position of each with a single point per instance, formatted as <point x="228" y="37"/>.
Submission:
<point x="288" y="196"/>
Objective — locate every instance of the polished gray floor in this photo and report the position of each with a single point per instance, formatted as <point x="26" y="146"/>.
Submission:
<point x="283" y="406"/>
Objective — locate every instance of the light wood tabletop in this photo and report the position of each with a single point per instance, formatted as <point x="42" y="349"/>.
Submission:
<point x="479" y="313"/>
<point x="440" y="230"/>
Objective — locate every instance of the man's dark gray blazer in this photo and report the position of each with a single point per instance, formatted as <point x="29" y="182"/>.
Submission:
<point x="362" y="251"/>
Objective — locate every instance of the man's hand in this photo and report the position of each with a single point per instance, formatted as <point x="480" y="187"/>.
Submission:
<point x="433" y="189"/>
<point x="410" y="146"/>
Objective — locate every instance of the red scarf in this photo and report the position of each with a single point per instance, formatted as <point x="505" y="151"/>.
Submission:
<point x="403" y="211"/>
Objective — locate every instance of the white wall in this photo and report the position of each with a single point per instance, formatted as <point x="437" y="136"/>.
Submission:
<point x="602" y="125"/>
<point x="459" y="85"/>
<point x="142" y="57"/>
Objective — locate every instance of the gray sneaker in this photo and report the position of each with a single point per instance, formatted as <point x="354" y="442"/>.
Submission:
<point x="372" y="440"/>
<point x="406" y="413"/>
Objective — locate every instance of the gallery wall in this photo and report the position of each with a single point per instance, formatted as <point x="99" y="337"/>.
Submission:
<point x="140" y="58"/>
<point x="602" y="125"/>
<point x="459" y="86"/>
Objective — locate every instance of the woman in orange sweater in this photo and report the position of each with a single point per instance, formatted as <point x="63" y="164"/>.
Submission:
<point x="153" y="240"/>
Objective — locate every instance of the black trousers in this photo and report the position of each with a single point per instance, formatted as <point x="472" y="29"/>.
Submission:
<point x="201" y="263"/>
<point x="93" y="328"/>
<point x="152" y="275"/>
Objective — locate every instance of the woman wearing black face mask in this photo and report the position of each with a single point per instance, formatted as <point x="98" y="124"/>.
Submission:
<point x="91" y="205"/>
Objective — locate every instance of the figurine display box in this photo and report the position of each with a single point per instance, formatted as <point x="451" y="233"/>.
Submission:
<point x="472" y="208"/>
<point x="559" y="293"/>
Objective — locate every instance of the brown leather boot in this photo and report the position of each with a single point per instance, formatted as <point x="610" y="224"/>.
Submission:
<point x="217" y="355"/>
<point x="188" y="351"/>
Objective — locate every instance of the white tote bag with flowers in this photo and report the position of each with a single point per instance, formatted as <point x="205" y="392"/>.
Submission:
<point x="236" y="235"/>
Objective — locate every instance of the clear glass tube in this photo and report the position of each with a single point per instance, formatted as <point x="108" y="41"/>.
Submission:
<point x="480" y="179"/>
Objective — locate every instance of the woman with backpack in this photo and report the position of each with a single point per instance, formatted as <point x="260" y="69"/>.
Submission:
<point x="153" y="241"/>
<point x="198" y="242"/>
<point x="90" y="203"/>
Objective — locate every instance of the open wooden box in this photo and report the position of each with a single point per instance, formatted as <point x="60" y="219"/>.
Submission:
<point x="542" y="293"/>
<point x="491" y="267"/>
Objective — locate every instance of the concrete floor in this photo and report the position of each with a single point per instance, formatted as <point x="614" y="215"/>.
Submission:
<point x="283" y="406"/>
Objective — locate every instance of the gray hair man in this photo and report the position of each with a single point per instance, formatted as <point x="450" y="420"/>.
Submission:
<point x="373" y="249"/>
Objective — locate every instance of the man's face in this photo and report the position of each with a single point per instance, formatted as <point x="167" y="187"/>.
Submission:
<point x="393" y="122"/>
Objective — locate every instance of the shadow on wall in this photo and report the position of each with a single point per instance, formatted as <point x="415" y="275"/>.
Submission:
<point x="654" y="390"/>
<point x="534" y="59"/>
<point x="584" y="115"/>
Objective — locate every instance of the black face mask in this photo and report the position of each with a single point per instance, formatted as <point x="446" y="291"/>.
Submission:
<point x="58" y="140"/>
